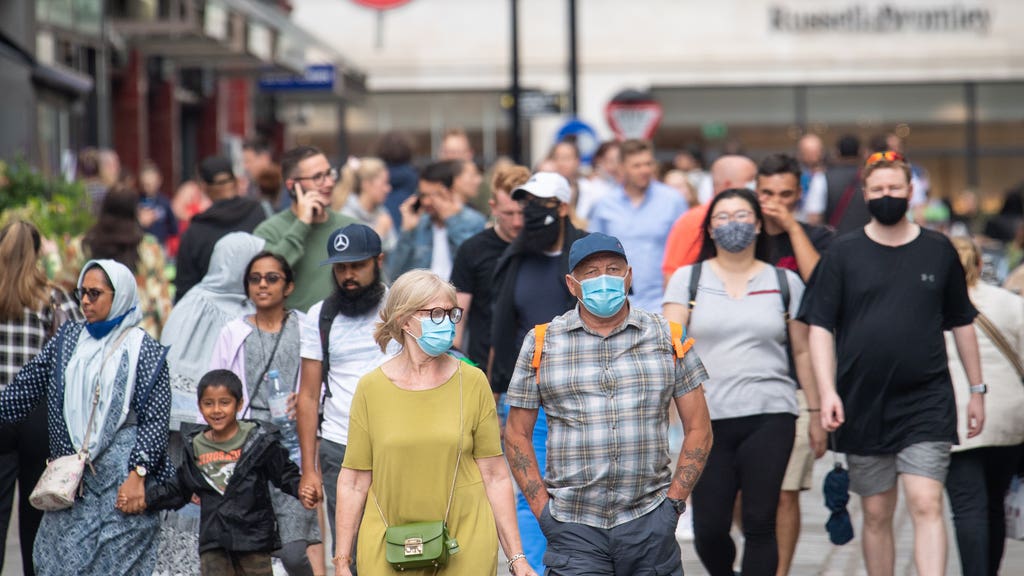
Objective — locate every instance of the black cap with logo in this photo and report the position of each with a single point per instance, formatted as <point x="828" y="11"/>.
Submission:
<point x="353" y="243"/>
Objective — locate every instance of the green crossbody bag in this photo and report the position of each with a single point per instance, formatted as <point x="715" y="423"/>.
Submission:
<point x="423" y="544"/>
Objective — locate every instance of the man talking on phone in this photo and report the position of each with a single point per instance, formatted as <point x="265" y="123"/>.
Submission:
<point x="300" y="234"/>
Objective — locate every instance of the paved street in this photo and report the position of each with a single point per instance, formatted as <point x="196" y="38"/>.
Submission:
<point x="814" y="555"/>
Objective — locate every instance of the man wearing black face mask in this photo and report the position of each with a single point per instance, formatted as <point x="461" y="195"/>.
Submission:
<point x="528" y="276"/>
<point x="337" y="348"/>
<point x="883" y="296"/>
<point x="529" y="288"/>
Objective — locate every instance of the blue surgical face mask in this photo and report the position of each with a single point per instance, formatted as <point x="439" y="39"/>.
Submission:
<point x="437" y="338"/>
<point x="604" y="296"/>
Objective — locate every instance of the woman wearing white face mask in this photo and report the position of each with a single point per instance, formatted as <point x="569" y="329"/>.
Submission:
<point x="418" y="422"/>
<point x="738" y="311"/>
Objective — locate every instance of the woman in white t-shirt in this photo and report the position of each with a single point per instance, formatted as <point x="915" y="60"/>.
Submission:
<point x="739" y="316"/>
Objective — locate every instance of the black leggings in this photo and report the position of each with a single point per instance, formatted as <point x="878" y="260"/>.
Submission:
<point x="749" y="455"/>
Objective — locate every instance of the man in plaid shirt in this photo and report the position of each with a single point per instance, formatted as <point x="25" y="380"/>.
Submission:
<point x="606" y="376"/>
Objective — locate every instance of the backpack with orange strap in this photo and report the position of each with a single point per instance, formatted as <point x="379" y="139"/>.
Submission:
<point x="681" y="344"/>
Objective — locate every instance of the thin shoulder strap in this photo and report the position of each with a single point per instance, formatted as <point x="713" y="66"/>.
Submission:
<point x="997" y="338"/>
<point x="539" y="331"/>
<point x="695" y="271"/>
<point x="780" y="273"/>
<point x="96" y="393"/>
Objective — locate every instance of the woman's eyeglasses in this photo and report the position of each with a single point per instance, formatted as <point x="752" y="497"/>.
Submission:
<point x="271" y="278"/>
<point x="437" y="314"/>
<point x="887" y="156"/>
<point x="92" y="294"/>
<point x="742" y="216"/>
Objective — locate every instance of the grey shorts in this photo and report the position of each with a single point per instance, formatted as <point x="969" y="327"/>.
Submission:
<point x="874" y="474"/>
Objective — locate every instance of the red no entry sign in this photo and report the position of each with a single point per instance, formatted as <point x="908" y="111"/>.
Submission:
<point x="381" y="4"/>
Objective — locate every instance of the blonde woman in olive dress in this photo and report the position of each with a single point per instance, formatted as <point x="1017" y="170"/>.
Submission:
<point x="402" y="449"/>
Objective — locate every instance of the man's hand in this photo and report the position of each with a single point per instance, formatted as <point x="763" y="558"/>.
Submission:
<point x="131" y="496"/>
<point x="832" y="416"/>
<point x="777" y="213"/>
<point x="311" y="483"/>
<point x="310" y="205"/>
<point x="446" y="205"/>
<point x="410" y="216"/>
<point x="818" y="437"/>
<point x="975" y="415"/>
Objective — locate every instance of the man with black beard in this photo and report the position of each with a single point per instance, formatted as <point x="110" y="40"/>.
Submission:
<point x="529" y="288"/>
<point x="337" y="349"/>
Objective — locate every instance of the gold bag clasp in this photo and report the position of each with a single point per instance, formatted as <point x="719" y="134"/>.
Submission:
<point x="413" y="546"/>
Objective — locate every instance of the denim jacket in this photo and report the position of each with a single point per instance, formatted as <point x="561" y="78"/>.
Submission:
<point x="415" y="247"/>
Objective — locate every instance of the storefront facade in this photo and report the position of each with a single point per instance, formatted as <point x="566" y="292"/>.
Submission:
<point x="947" y="76"/>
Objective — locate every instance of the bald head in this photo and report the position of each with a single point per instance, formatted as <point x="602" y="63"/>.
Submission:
<point x="811" y="150"/>
<point x="732" y="171"/>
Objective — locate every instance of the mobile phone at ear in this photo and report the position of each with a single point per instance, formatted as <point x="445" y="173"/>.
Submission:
<point x="297" y="190"/>
<point x="416" y="205"/>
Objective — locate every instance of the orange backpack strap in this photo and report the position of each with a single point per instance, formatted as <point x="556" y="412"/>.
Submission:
<point x="539" y="332"/>
<point x="680" y="343"/>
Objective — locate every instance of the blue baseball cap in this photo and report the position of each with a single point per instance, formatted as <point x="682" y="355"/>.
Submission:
<point x="594" y="243"/>
<point x="353" y="243"/>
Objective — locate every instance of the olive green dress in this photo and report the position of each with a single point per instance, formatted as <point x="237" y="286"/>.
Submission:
<point x="407" y="439"/>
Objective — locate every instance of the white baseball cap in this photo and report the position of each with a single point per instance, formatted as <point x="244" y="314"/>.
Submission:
<point x="545" y="185"/>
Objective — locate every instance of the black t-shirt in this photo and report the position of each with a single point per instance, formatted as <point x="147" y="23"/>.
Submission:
<point x="780" y="247"/>
<point x="473" y="273"/>
<point x="888" y="307"/>
<point x="538" y="295"/>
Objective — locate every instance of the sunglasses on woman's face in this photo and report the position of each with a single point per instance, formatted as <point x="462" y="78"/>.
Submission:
<point x="271" y="278"/>
<point x="92" y="294"/>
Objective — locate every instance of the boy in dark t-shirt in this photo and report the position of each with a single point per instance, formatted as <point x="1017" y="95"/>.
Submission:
<point x="228" y="465"/>
<point x="881" y="299"/>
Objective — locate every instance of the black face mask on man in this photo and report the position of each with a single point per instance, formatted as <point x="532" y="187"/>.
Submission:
<point x="541" y="226"/>
<point x="888" y="210"/>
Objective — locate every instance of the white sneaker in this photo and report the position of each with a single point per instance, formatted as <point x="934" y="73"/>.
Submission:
<point x="684" y="529"/>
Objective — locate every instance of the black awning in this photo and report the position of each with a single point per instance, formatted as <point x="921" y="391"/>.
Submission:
<point x="61" y="79"/>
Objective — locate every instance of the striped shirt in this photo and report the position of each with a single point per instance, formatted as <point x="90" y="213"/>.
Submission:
<point x="607" y="400"/>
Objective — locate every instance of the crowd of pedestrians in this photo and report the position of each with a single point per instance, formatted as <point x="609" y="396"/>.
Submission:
<point x="424" y="365"/>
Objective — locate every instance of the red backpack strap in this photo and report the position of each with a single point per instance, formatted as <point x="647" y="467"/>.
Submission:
<point x="680" y="343"/>
<point x="539" y="332"/>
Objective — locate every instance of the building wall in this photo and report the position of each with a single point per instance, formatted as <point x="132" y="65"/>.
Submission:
<point x="17" y="99"/>
<point x="464" y="44"/>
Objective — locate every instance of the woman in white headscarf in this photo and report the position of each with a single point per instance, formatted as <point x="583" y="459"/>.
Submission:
<point x="127" y="442"/>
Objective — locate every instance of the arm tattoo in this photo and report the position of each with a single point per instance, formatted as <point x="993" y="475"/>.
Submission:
<point x="531" y="489"/>
<point x="519" y="461"/>
<point x="690" y="467"/>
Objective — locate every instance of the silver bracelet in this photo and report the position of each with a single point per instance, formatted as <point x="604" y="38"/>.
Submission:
<point x="513" y="560"/>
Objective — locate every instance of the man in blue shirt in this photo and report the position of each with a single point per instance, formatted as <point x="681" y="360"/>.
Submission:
<point x="640" y="214"/>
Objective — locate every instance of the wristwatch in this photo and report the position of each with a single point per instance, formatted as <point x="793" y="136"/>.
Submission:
<point x="979" y="388"/>
<point x="679" y="505"/>
<point x="141" y="471"/>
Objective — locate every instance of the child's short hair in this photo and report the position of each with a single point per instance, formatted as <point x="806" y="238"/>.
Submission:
<point x="220" y="377"/>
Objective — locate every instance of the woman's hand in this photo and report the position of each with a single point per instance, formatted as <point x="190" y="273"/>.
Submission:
<point x="342" y="566"/>
<point x="131" y="496"/>
<point x="293" y="404"/>
<point x="523" y="568"/>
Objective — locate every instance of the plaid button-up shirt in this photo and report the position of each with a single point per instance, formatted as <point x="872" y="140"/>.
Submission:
<point x="607" y="401"/>
<point x="22" y="339"/>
